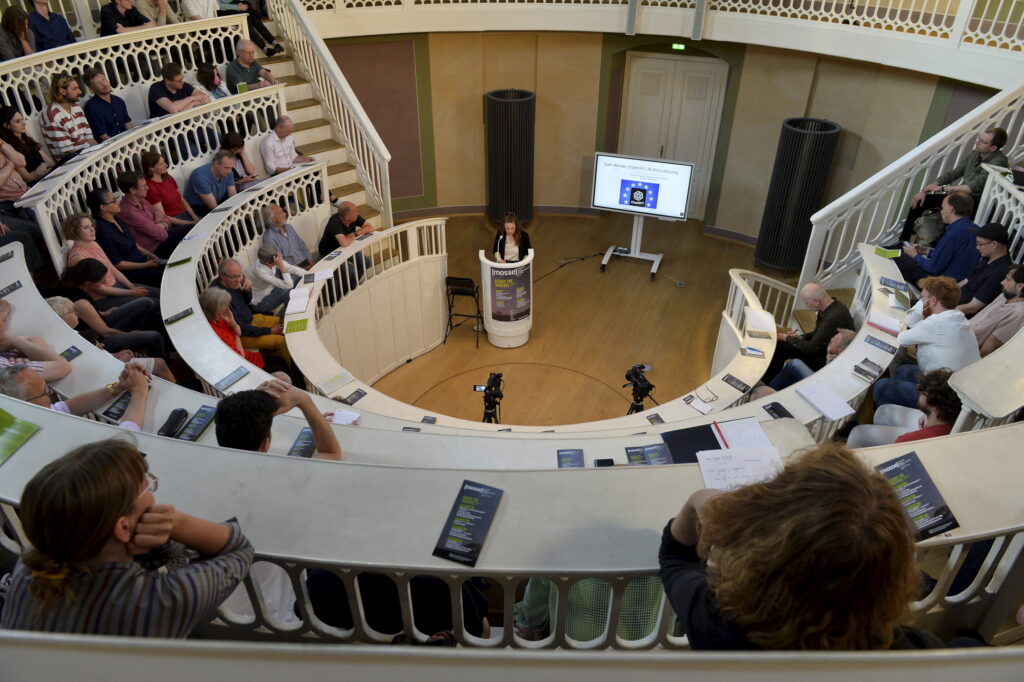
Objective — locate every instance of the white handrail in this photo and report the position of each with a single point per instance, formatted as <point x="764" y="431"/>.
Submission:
<point x="342" y="108"/>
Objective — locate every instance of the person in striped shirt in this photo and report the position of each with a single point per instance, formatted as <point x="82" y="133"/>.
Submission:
<point x="98" y="537"/>
<point x="65" y="127"/>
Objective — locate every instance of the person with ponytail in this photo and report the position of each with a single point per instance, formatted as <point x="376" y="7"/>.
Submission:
<point x="98" y="537"/>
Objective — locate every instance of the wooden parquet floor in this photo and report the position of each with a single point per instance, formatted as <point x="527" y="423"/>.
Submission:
<point x="589" y="327"/>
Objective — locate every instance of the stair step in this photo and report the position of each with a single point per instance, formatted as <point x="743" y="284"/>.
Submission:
<point x="309" y="125"/>
<point x="345" y="190"/>
<point x="339" y="168"/>
<point x="303" y="104"/>
<point x="276" y="59"/>
<point x="315" y="148"/>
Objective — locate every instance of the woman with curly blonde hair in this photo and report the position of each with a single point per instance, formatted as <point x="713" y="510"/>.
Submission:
<point x="820" y="557"/>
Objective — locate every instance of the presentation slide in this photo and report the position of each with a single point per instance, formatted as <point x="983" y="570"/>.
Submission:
<point x="652" y="187"/>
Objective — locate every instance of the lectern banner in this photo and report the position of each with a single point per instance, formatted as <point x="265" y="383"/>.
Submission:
<point x="510" y="293"/>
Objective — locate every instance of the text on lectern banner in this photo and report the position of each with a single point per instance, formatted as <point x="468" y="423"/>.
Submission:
<point x="510" y="293"/>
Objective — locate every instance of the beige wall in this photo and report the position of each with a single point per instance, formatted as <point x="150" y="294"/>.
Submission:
<point x="562" y="68"/>
<point x="881" y="112"/>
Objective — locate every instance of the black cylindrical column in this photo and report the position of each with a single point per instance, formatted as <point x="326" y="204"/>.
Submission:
<point x="802" y="164"/>
<point x="509" y="120"/>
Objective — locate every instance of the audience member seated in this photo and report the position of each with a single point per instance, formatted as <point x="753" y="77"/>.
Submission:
<point x="13" y="131"/>
<point x="987" y="149"/>
<point x="51" y="29"/>
<point x="120" y="16"/>
<point x="261" y="332"/>
<point x="938" y="407"/>
<point x="22" y="383"/>
<point x="106" y="559"/>
<point x="164" y="193"/>
<point x="812" y="347"/>
<point x="158" y="9"/>
<point x="1002" y="318"/>
<point x="796" y="370"/>
<point x="245" y="70"/>
<point x="12" y="218"/>
<point x="820" y="557"/>
<point x="244" y="419"/>
<point x="943" y="338"/>
<point x="64" y="125"/>
<point x="216" y="305"/>
<point x="588" y="603"/>
<point x="154" y="231"/>
<point x="115" y="285"/>
<point x="119" y="245"/>
<point x="511" y="243"/>
<point x="208" y="81"/>
<point x="125" y="346"/>
<point x="210" y="184"/>
<point x="123" y="310"/>
<point x="282" y="235"/>
<point x="984" y="284"/>
<point x="273" y="279"/>
<point x="106" y="112"/>
<point x="955" y="255"/>
<point x="341" y="230"/>
<point x="17" y="39"/>
<point x="173" y="94"/>
<point x="29" y="351"/>
<point x="244" y="172"/>
<point x="33" y="261"/>
<point x="278" y="148"/>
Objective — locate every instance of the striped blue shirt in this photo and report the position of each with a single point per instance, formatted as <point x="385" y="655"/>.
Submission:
<point x="120" y="598"/>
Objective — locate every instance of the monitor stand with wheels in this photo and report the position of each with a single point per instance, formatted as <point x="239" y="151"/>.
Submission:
<point x="634" y="248"/>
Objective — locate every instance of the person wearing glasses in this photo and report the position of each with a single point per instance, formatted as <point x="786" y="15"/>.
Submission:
<point x="971" y="176"/>
<point x="107" y="559"/>
<point x="22" y="383"/>
<point x="172" y="94"/>
<point x="985" y="284"/>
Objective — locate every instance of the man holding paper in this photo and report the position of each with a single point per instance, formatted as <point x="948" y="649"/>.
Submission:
<point x="811" y="347"/>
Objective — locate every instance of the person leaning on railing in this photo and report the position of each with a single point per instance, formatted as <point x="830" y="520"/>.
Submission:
<point x="819" y="557"/>
<point x="987" y="149"/>
<point x="98" y="543"/>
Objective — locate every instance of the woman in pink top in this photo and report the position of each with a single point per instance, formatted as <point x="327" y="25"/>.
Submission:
<point x="79" y="228"/>
<point x="164" y="193"/>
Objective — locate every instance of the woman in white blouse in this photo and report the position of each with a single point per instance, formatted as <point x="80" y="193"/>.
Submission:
<point x="511" y="244"/>
<point x="272" y="279"/>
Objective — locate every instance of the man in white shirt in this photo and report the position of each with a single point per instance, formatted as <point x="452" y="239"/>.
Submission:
<point x="943" y="338"/>
<point x="278" y="148"/>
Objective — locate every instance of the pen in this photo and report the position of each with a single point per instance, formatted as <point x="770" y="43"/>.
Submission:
<point x="721" y="435"/>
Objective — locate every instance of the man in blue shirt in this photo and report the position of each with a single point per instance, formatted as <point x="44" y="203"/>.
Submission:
<point x="211" y="184"/>
<point x="955" y="255"/>
<point x="106" y="112"/>
<point x="51" y="29"/>
<point x="283" y="236"/>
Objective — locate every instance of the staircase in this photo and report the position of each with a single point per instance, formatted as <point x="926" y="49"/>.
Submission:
<point x="313" y="135"/>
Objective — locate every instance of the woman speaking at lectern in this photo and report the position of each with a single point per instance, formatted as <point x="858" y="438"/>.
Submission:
<point x="511" y="244"/>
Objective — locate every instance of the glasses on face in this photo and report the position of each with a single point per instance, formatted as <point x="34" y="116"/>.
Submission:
<point x="37" y="397"/>
<point x="226" y="276"/>
<point x="983" y="243"/>
<point x="111" y="200"/>
<point x="152" y="483"/>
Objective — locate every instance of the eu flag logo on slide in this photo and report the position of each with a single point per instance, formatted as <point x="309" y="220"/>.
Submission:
<point x="640" y="194"/>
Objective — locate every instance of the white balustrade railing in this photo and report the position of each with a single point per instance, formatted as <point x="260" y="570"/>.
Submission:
<point x="1003" y="202"/>
<point x="933" y="18"/>
<point x="994" y="23"/>
<point x="748" y="288"/>
<point x="873" y="211"/>
<point x="185" y="140"/>
<point x="127" y="59"/>
<point x="348" y="121"/>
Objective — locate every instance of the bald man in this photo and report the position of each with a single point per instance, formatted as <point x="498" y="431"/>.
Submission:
<point x="341" y="230"/>
<point x="811" y="347"/>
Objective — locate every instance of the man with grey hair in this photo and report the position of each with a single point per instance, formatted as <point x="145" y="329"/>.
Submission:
<point x="21" y="383"/>
<point x="281" y="234"/>
<point x="278" y="147"/>
<point x="258" y="331"/>
<point x="796" y="370"/>
<point x="246" y="71"/>
<point x="272" y="279"/>
<point x="810" y="347"/>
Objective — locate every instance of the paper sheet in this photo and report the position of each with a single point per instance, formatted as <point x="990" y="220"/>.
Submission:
<point x="298" y="299"/>
<point x="742" y="433"/>
<point x="344" y="417"/>
<point x="697" y="404"/>
<point x="823" y="399"/>
<point x="334" y="382"/>
<point x="885" y="322"/>
<point x="737" y="467"/>
<point x="322" y="275"/>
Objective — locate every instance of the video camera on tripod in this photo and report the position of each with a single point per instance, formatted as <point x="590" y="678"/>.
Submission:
<point x="492" y="397"/>
<point x="642" y="387"/>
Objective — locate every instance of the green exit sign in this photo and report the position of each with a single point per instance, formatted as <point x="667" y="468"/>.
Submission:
<point x="678" y="46"/>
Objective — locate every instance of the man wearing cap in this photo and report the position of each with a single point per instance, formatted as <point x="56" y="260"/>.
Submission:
<point x="985" y="284"/>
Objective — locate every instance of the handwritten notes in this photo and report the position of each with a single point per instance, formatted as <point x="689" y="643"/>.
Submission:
<point x="737" y="467"/>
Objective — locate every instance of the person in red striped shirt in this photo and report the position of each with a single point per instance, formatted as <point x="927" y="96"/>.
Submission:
<point x="64" y="125"/>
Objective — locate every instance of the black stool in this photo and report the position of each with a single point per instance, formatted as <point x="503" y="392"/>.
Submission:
<point x="463" y="286"/>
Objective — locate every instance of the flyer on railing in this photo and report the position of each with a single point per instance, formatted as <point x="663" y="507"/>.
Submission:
<point x="468" y="522"/>
<point x="922" y="501"/>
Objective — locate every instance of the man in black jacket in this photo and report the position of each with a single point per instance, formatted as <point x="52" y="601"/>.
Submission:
<point x="812" y="346"/>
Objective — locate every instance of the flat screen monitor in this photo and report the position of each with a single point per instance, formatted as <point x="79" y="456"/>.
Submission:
<point x="653" y="187"/>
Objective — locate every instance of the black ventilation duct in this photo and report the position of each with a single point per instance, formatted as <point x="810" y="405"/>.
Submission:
<point x="509" y="121"/>
<point x="802" y="165"/>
